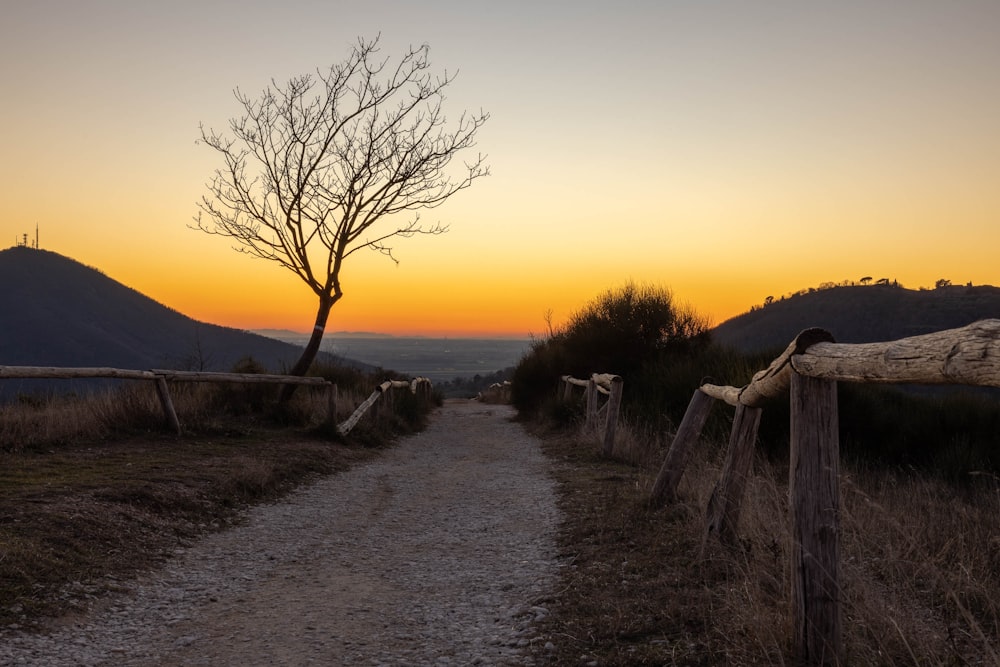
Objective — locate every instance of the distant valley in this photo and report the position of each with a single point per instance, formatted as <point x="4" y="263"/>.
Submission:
<point x="440" y="359"/>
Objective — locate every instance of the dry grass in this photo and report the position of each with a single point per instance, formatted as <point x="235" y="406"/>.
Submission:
<point x="920" y="566"/>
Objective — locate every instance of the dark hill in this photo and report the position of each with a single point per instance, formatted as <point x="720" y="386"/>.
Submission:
<point x="55" y="311"/>
<point x="860" y="314"/>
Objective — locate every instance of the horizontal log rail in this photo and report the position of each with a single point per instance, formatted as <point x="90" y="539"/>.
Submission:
<point x="48" y="372"/>
<point x="969" y="355"/>
<point x="774" y="380"/>
<point x="607" y="384"/>
<point x="244" y="378"/>
<point x="161" y="377"/>
<point x="807" y="372"/>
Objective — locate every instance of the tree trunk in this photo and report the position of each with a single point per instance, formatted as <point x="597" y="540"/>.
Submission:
<point x="302" y="366"/>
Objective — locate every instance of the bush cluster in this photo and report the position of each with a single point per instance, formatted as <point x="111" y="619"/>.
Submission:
<point x="637" y="331"/>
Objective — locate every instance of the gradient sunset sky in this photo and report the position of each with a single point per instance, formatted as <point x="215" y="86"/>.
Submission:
<point x="726" y="150"/>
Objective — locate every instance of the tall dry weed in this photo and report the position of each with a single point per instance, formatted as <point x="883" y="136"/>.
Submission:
<point x="920" y="567"/>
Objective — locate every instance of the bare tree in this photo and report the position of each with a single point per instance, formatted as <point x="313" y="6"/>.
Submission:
<point x="313" y="165"/>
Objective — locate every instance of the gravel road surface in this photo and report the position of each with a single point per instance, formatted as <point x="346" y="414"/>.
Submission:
<point x="440" y="552"/>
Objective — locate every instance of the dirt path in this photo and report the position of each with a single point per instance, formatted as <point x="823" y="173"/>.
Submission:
<point x="438" y="552"/>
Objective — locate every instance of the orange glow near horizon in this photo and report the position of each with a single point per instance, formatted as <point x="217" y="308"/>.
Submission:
<point x="727" y="151"/>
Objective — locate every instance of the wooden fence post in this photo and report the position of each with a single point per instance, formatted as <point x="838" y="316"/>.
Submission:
<point x="163" y="391"/>
<point x="814" y="496"/>
<point x="727" y="498"/>
<point x="591" y="397"/>
<point x="387" y="404"/>
<point x="331" y="404"/>
<point x="611" y="409"/>
<point x="669" y="477"/>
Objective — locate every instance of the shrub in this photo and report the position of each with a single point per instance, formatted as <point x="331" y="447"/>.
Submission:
<point x="624" y="328"/>
<point x="536" y="376"/>
<point x="633" y="331"/>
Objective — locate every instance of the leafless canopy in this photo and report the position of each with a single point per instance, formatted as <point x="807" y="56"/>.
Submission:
<point x="311" y="166"/>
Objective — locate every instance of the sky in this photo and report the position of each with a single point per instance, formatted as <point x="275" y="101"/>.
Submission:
<point x="727" y="151"/>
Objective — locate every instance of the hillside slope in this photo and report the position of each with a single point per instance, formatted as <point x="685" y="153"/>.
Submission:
<point x="55" y="311"/>
<point x="860" y="314"/>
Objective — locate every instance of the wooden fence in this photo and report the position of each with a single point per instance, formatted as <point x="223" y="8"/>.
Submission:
<point x="808" y="370"/>
<point x="599" y="384"/>
<point x="161" y="378"/>
<point x="498" y="392"/>
<point x="419" y="386"/>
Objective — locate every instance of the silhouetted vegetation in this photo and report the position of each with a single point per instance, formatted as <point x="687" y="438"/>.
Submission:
<point x="949" y="432"/>
<point x="638" y="332"/>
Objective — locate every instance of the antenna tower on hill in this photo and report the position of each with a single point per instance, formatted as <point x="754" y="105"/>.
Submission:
<point x="23" y="241"/>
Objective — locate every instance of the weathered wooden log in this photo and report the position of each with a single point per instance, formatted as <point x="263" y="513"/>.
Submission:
<point x="242" y="378"/>
<point x="730" y="395"/>
<point x="772" y="381"/>
<point x="331" y="404"/>
<point x="612" y="408"/>
<point x="604" y="380"/>
<point x="567" y="388"/>
<point x="163" y="392"/>
<point x="814" y="497"/>
<point x="669" y="477"/>
<point x="398" y="384"/>
<point x="345" y="427"/>
<point x="590" y="422"/>
<point x="420" y="386"/>
<point x="968" y="355"/>
<point x="724" y="506"/>
<point x="25" y="372"/>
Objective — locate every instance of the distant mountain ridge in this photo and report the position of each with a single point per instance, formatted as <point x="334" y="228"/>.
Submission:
<point x="55" y="311"/>
<point x="860" y="314"/>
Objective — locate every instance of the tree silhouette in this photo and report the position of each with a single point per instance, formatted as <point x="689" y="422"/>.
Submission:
<point x="312" y="166"/>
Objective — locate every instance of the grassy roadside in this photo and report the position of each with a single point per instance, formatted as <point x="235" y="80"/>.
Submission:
<point x="920" y="567"/>
<point x="634" y="590"/>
